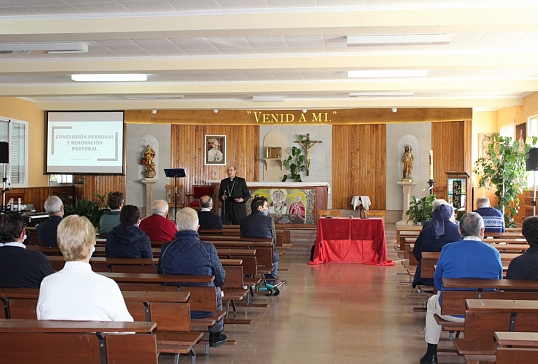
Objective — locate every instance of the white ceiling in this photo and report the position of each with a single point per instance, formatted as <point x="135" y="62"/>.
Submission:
<point x="220" y="53"/>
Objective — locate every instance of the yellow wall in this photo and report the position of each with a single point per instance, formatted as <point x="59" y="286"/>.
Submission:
<point x="530" y="106"/>
<point x="13" y="108"/>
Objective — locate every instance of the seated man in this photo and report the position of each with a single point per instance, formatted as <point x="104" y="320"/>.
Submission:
<point x="188" y="255"/>
<point x="19" y="268"/>
<point x="432" y="239"/>
<point x="493" y="218"/>
<point x="75" y="292"/>
<point x="259" y="225"/>
<point x="208" y="219"/>
<point x="468" y="258"/>
<point x="126" y="240"/>
<point x="526" y="265"/>
<point x="112" y="218"/>
<point x="158" y="226"/>
<point x="47" y="231"/>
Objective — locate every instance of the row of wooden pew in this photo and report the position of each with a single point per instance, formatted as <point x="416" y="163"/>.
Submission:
<point x="491" y="332"/>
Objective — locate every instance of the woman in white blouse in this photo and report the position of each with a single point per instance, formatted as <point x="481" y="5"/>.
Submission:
<point x="76" y="292"/>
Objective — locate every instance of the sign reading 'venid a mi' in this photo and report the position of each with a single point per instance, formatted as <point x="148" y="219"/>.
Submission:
<point x="289" y="117"/>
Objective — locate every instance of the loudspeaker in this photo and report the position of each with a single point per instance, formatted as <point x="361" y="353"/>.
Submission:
<point x="532" y="161"/>
<point x="4" y="152"/>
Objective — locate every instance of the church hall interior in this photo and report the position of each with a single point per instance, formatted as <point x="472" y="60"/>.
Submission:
<point x="353" y="86"/>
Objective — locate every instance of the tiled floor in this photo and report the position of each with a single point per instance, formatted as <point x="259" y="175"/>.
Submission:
<point x="331" y="313"/>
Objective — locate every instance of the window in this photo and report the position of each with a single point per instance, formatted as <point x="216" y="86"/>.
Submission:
<point x="15" y="132"/>
<point x="508" y="131"/>
<point x="60" y="178"/>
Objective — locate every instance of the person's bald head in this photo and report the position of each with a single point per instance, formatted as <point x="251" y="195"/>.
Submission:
<point x="206" y="202"/>
<point x="160" y="207"/>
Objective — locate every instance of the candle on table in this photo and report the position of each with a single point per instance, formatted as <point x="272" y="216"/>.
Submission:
<point x="431" y="165"/>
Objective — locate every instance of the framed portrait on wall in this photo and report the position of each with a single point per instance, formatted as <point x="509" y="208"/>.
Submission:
<point x="215" y="150"/>
<point x="483" y="142"/>
<point x="521" y="135"/>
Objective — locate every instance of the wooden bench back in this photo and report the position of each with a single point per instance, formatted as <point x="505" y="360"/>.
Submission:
<point x="171" y="316"/>
<point x="202" y="298"/>
<point x="146" y="287"/>
<point x="131" y="349"/>
<point x="454" y="301"/>
<point x="234" y="277"/>
<point x="481" y="326"/>
<point x="58" y="348"/>
<point x="22" y="308"/>
<point x="516" y="355"/>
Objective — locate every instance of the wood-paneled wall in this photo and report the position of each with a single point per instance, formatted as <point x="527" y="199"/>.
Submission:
<point x="448" y="154"/>
<point x="359" y="164"/>
<point x="187" y="151"/>
<point x="102" y="185"/>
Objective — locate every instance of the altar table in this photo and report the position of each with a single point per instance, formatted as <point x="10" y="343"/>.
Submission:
<point x="350" y="240"/>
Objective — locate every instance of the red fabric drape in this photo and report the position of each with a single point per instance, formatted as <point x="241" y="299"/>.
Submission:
<point x="350" y="240"/>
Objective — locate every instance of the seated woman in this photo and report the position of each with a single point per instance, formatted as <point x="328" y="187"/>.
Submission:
<point x="126" y="240"/>
<point x="432" y="239"/>
<point x="76" y="292"/>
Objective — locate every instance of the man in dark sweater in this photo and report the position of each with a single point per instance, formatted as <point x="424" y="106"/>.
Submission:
<point x="47" y="230"/>
<point x="259" y="225"/>
<point x="19" y="268"/>
<point x="208" y="219"/>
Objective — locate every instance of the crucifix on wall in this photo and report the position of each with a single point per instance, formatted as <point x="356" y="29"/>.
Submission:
<point x="308" y="144"/>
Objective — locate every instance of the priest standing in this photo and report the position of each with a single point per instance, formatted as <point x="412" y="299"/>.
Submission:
<point x="233" y="193"/>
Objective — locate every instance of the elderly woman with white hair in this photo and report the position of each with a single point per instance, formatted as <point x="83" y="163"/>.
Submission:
<point x="76" y="292"/>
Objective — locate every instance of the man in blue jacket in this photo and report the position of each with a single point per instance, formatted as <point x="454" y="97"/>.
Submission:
<point x="186" y="254"/>
<point x="468" y="258"/>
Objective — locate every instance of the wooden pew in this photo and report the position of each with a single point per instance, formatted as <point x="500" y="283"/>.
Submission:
<point x="157" y="278"/>
<point x="516" y="347"/>
<point x="233" y="288"/>
<point x="81" y="342"/>
<point x="20" y="303"/>
<point x="484" y="317"/>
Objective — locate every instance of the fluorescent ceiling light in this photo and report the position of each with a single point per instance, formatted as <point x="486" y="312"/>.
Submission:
<point x="387" y="73"/>
<point x="268" y="98"/>
<point x="109" y="77"/>
<point x="46" y="47"/>
<point x="398" y="39"/>
<point x="153" y="97"/>
<point x="380" y="94"/>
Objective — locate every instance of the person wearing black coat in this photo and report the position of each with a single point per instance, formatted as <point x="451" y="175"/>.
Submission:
<point x="233" y="193"/>
<point x="126" y="240"/>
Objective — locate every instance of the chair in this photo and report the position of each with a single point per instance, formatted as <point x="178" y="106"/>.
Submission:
<point x="199" y="191"/>
<point x="332" y="213"/>
<point x="170" y="194"/>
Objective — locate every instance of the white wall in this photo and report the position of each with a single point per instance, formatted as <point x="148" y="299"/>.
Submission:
<point x="139" y="135"/>
<point x="418" y="135"/>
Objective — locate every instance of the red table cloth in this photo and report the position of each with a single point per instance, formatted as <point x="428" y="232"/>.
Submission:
<point x="350" y="240"/>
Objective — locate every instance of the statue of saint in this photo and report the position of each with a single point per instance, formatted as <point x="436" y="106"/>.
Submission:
<point x="147" y="162"/>
<point x="407" y="160"/>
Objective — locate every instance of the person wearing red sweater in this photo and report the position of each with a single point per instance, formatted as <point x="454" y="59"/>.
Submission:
<point x="158" y="226"/>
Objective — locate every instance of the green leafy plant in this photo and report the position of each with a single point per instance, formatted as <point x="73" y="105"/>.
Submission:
<point x="420" y="209"/>
<point x="296" y="161"/>
<point x="92" y="209"/>
<point x="504" y="167"/>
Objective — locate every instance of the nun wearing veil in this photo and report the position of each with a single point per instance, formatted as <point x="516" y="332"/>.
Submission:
<point x="433" y="238"/>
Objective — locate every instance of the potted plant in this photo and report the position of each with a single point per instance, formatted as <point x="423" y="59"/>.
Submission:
<point x="296" y="161"/>
<point x="504" y="167"/>
<point x="92" y="209"/>
<point x="420" y="209"/>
